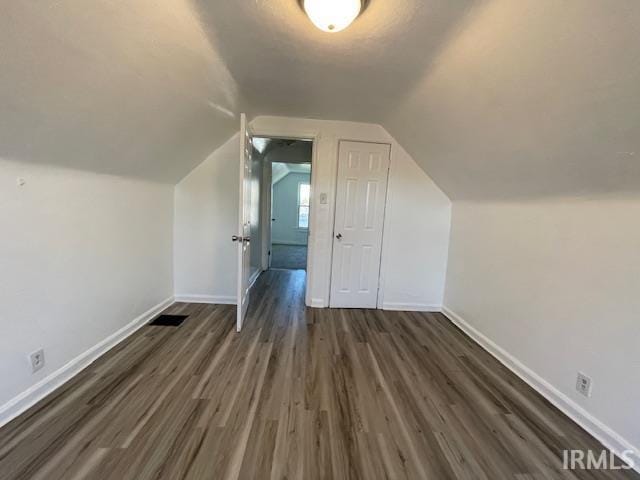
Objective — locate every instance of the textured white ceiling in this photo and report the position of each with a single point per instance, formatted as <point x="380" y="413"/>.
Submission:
<point x="493" y="98"/>
<point x="286" y="66"/>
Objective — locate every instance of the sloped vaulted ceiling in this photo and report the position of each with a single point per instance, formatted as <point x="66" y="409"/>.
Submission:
<point x="493" y="98"/>
<point x="530" y="99"/>
<point x="116" y="86"/>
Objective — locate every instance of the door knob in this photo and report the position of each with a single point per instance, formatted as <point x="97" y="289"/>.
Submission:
<point x="246" y="239"/>
<point x="339" y="236"/>
<point x="236" y="238"/>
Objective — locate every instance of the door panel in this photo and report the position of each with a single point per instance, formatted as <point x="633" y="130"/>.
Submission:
<point x="346" y="251"/>
<point x="365" y="269"/>
<point x="363" y="170"/>
<point x="370" y="206"/>
<point x="244" y="223"/>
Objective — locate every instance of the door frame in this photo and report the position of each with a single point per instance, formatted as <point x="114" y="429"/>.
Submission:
<point x="381" y="269"/>
<point x="265" y="215"/>
<point x="295" y="134"/>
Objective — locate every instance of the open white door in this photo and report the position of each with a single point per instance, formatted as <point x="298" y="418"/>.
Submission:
<point x="244" y="223"/>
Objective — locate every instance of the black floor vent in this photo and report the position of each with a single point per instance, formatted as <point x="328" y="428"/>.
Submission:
<point x="169" y="320"/>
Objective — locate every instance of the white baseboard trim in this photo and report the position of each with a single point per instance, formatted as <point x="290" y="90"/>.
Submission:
<point x="603" y="433"/>
<point x="254" y="277"/>
<point x="51" y="382"/>
<point x="398" y="307"/>
<point x="317" y="303"/>
<point x="212" y="299"/>
<point x="411" y="307"/>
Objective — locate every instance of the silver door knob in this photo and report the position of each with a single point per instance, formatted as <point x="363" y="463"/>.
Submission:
<point x="236" y="238"/>
<point x="339" y="236"/>
<point x="246" y="239"/>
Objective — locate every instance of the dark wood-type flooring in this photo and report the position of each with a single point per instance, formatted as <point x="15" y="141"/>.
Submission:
<point x="299" y="394"/>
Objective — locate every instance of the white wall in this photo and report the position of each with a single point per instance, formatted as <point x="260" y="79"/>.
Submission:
<point x="555" y="283"/>
<point x="81" y="256"/>
<point x="416" y="238"/>
<point x="413" y="262"/>
<point x="284" y="229"/>
<point x="206" y="216"/>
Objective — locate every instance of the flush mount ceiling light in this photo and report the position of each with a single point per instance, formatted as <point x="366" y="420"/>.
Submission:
<point x="333" y="15"/>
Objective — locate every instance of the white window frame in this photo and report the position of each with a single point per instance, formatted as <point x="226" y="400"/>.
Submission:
<point x="298" y="205"/>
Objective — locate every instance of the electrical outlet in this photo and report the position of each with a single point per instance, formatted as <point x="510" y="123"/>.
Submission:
<point x="583" y="384"/>
<point x="37" y="360"/>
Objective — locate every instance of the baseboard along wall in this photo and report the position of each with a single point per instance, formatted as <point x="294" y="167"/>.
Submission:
<point x="49" y="384"/>
<point x="212" y="299"/>
<point x="598" y="429"/>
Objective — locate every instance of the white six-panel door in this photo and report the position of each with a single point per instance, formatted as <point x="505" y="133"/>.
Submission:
<point x="363" y="171"/>
<point x="244" y="223"/>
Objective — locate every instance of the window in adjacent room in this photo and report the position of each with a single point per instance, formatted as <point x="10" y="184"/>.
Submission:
<point x="304" y="191"/>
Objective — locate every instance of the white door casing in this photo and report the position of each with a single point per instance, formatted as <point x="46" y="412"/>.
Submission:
<point x="361" y="190"/>
<point x="265" y="216"/>
<point x="244" y="223"/>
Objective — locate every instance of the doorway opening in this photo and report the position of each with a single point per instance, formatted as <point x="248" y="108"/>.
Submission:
<point x="290" y="205"/>
<point x="285" y="201"/>
<point x="259" y="151"/>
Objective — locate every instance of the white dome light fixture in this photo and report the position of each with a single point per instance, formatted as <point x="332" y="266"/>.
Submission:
<point x="332" y="15"/>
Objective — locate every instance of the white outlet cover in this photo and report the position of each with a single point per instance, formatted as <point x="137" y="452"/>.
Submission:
<point x="583" y="384"/>
<point x="37" y="360"/>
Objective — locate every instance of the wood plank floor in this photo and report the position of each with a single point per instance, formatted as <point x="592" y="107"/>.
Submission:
<point x="299" y="394"/>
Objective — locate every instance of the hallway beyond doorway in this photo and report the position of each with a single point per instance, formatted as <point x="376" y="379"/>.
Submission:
<point x="291" y="257"/>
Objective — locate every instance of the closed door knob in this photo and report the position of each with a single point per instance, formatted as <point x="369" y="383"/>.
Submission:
<point x="339" y="236"/>
<point x="236" y="238"/>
